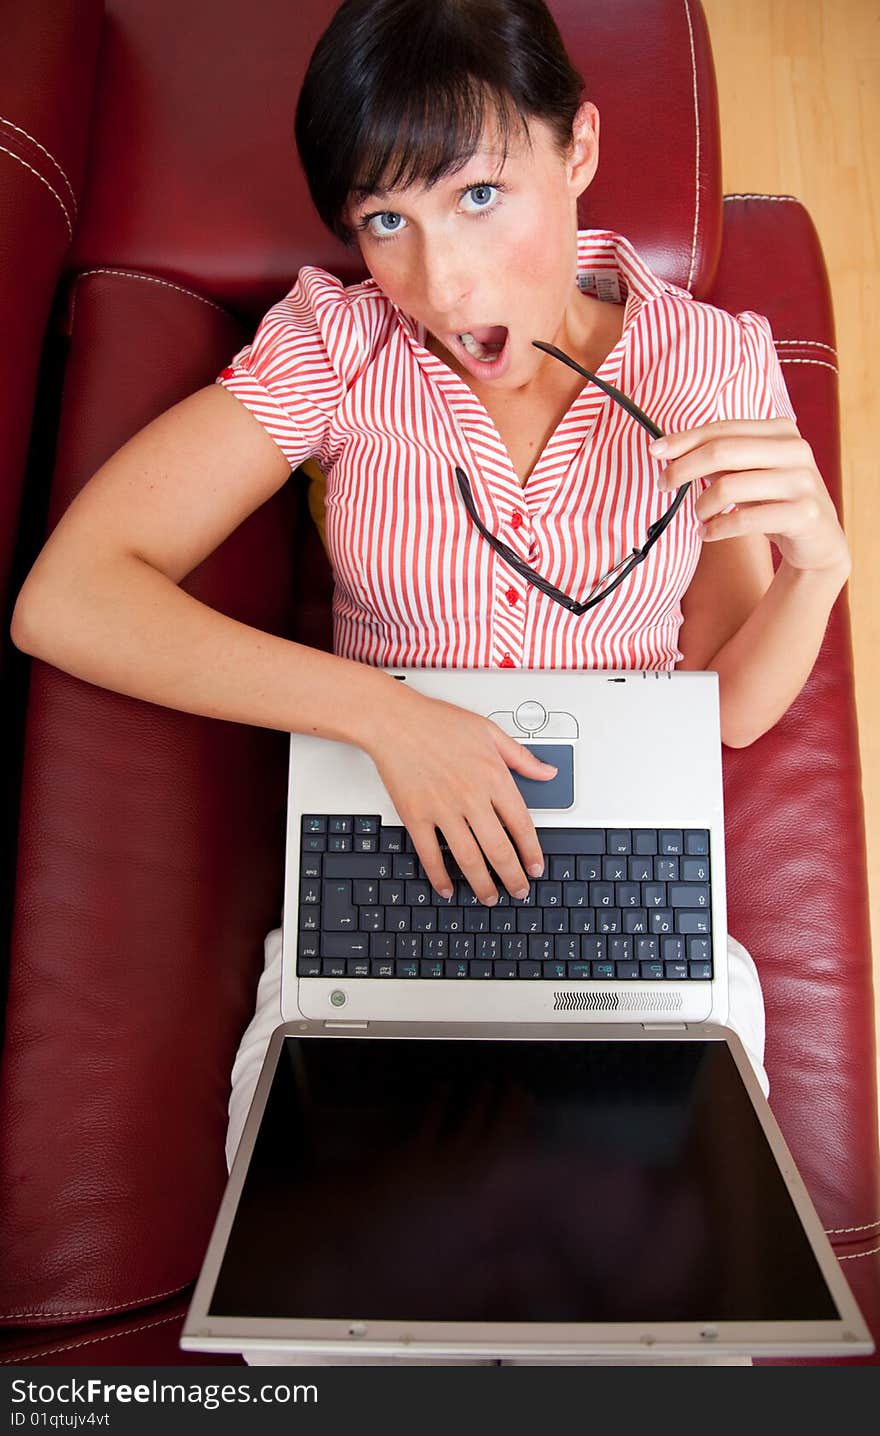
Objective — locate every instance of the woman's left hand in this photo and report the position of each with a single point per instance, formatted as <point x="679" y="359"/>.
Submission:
<point x="765" y="469"/>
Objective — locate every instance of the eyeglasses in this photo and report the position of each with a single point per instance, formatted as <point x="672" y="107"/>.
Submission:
<point x="627" y="564"/>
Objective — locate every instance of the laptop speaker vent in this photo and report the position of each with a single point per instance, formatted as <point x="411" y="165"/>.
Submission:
<point x="616" y="1001"/>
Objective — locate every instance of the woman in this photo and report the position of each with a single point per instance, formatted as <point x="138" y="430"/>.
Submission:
<point x="451" y="143"/>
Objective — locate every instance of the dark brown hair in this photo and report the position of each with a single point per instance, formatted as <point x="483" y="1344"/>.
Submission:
<point x="398" y="92"/>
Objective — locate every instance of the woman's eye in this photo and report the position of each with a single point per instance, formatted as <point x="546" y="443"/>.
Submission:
<point x="481" y="196"/>
<point x="387" y="223"/>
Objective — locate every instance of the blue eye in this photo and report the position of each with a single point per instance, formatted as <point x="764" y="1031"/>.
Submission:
<point x="482" y="196"/>
<point x="382" y="226"/>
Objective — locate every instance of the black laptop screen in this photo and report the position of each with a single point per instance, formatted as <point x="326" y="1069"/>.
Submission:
<point x="511" y="1181"/>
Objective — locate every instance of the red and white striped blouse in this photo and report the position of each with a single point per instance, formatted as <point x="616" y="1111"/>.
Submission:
<point x="342" y="374"/>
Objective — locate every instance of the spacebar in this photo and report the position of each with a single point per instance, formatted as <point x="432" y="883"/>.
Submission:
<point x="572" y="840"/>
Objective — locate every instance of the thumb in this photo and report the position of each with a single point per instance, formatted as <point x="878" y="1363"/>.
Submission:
<point x="522" y="760"/>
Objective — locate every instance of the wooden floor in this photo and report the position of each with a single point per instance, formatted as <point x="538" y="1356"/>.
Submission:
<point x="799" y="92"/>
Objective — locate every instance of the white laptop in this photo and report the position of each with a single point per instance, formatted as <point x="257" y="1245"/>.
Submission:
<point x="519" y="1131"/>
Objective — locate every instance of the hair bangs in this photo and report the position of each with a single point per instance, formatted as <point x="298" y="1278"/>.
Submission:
<point x="443" y="125"/>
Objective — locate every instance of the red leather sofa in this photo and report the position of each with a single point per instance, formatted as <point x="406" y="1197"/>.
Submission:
<point x="152" y="210"/>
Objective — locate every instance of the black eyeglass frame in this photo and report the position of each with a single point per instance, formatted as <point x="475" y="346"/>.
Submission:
<point x="637" y="556"/>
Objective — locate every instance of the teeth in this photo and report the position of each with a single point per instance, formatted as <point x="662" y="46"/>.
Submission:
<point x="473" y="346"/>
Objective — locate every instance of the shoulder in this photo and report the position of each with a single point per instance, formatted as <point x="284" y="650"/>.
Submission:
<point x="349" y="323"/>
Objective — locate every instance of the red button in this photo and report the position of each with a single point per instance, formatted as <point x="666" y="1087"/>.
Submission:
<point x="227" y="373"/>
<point x="507" y="662"/>
<point x="517" y="520"/>
<point x="512" y="596"/>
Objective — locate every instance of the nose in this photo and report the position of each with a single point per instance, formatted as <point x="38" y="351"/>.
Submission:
<point x="446" y="277"/>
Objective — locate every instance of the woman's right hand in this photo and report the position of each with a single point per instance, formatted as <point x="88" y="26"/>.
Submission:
<point x="449" y="768"/>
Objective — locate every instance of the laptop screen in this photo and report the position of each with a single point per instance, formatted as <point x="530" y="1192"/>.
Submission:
<point x="514" y="1181"/>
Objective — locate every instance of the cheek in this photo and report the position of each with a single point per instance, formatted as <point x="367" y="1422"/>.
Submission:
<point x="538" y="263"/>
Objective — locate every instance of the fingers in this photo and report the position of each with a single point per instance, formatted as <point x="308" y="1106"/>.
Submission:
<point x="775" y="520"/>
<point x="762" y="444"/>
<point x="479" y="842"/>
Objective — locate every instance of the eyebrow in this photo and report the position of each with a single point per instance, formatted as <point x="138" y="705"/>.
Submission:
<point x="359" y="193"/>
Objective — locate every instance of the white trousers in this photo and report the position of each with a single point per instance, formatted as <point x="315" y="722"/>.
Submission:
<point x="746" y="1017"/>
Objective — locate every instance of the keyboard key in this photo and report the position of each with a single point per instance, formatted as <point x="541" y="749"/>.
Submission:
<point x="556" y="919"/>
<point x="504" y="968"/>
<point x="436" y="946"/>
<point x="403" y="865"/>
<point x="647" y="949"/>
<point x="314" y="823"/>
<point x="333" y="967"/>
<point x="634" y="919"/>
<point x="314" y="845"/>
<point x="530" y="969"/>
<point x="555" y="971"/>
<point x="563" y="869"/>
<point x="424" y="919"/>
<point x="676" y="971"/>
<point x="358" y="967"/>
<point x="645" y="841"/>
<point x="666" y="869"/>
<point x="310" y="891"/>
<point x="514" y="949"/>
<point x="541" y="949"/>
<point x="365" y="843"/>
<point x="309" y="946"/>
<point x="366" y="825"/>
<point x="407" y="967"/>
<point x="481" y="969"/>
<point x="391" y="840"/>
<point x="566" y="949"/>
<point x="651" y="971"/>
<point x="579" y="971"/>
<point x="582" y="919"/>
<point x="365" y="894"/>
<point x="409" y="947"/>
<point x="371" y="919"/>
<point x="698" y="922"/>
<point x="571" y="840"/>
<point x="672" y="949"/>
<point x="339" y="825"/>
<point x="357" y="865"/>
<point x="620" y="949"/>
<point x="431" y="967"/>
<point x="619" y="841"/>
<point x="601" y="895"/>
<point x="487" y="947"/>
<point x="627" y="971"/>
<point x="308" y="967"/>
<point x="380" y="967"/>
<point x="345" y="944"/>
<point x="603" y="971"/>
<point x="700" y="971"/>
<point x="476" y="919"/>
<point x="671" y="842"/>
<point x="695" y="870"/>
<point x="608" y="919"/>
<point x="688" y="895"/>
<point x="641" y="870"/>
<point x="339" y="843"/>
<point x="699" y="949"/>
<point x="339" y="912"/>
<point x="461" y="947"/>
<point x="662" y="920"/>
<point x="696" y="841"/>
<point x="398" y="919"/>
<point x="593" y="949"/>
<point x="589" y="870"/>
<point x="450" y="919"/>
<point x="614" y="870"/>
<point x="530" y="920"/>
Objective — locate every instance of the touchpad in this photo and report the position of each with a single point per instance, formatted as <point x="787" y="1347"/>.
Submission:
<point x="556" y="792"/>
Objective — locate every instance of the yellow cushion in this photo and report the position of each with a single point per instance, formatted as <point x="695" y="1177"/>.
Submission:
<point x="317" y="489"/>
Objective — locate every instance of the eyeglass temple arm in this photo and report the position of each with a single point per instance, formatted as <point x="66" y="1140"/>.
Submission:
<point x="609" y="389"/>
<point x="640" y="417"/>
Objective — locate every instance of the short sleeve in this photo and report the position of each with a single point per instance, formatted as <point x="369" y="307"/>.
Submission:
<point x="756" y="389"/>
<point x="296" y="371"/>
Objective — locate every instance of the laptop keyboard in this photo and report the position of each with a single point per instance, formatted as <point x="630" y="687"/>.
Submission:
<point x="613" y="904"/>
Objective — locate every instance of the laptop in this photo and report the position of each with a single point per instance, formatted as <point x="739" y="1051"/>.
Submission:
<point x="519" y="1132"/>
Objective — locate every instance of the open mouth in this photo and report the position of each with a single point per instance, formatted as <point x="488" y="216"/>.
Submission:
<point x="483" y="349"/>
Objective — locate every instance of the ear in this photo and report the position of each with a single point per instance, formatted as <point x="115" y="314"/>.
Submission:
<point x="582" y="160"/>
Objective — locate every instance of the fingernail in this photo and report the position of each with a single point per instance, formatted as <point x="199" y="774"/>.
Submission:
<point x="521" y="896"/>
<point x="659" y="446"/>
<point x="536" y="869"/>
<point x="551" y="767"/>
<point x="446" y="893"/>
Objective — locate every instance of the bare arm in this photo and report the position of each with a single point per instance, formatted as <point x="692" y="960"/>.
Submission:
<point x="103" y="603"/>
<point x="760" y="633"/>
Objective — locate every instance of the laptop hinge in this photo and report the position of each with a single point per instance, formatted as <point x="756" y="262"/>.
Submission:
<point x="665" y="1026"/>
